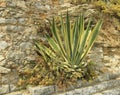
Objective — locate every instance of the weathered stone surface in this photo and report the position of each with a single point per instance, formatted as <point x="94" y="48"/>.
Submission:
<point x="22" y="21"/>
<point x="4" y="89"/>
<point x="3" y="30"/>
<point x="112" y="91"/>
<point x="25" y="46"/>
<point x="47" y="90"/>
<point x="1" y="57"/>
<point x="3" y="45"/>
<point x="11" y="21"/>
<point x="4" y="70"/>
<point x="15" y="28"/>
<point x="1" y="35"/>
<point x="94" y="88"/>
<point x="2" y="63"/>
<point x="2" y="20"/>
<point x="14" y="3"/>
<point x="12" y="87"/>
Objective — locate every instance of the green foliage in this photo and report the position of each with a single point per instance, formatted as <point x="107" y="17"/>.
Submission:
<point x="69" y="45"/>
<point x="63" y="56"/>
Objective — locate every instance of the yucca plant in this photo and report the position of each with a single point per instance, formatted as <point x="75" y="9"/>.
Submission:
<point x="69" y="43"/>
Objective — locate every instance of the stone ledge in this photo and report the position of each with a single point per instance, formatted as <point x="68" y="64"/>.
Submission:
<point x="39" y="90"/>
<point x="112" y="91"/>
<point x="100" y="87"/>
<point x="93" y="88"/>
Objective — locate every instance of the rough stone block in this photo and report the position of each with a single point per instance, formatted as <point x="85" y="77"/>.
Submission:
<point x="112" y="91"/>
<point x="15" y="28"/>
<point x="25" y="45"/>
<point x="12" y="87"/>
<point x="2" y="20"/>
<point x="3" y="30"/>
<point x="3" y="45"/>
<point x="41" y="90"/>
<point x="94" y="88"/>
<point x="2" y="63"/>
<point x="11" y="21"/>
<point x="4" y="89"/>
<point x="22" y="21"/>
<point x="1" y="57"/>
<point x="4" y="70"/>
<point x="21" y="4"/>
<point x="15" y="3"/>
<point x="1" y="35"/>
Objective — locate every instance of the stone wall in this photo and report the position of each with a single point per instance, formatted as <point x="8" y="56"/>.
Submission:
<point x="20" y="23"/>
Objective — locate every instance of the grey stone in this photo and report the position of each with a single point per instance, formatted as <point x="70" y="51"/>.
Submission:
<point x="106" y="77"/>
<point x="12" y="55"/>
<point x="4" y="70"/>
<point x="112" y="91"/>
<point x="15" y="3"/>
<point x="32" y="37"/>
<point x="12" y="87"/>
<point x="10" y="78"/>
<point x="11" y="21"/>
<point x="2" y="63"/>
<point x="1" y="35"/>
<point x="38" y="5"/>
<point x="11" y="4"/>
<point x="21" y="4"/>
<point x="47" y="7"/>
<point x="1" y="57"/>
<point x="41" y="7"/>
<point x="19" y="55"/>
<point x="22" y="21"/>
<point x="94" y="88"/>
<point x="3" y="45"/>
<point x="4" y="89"/>
<point x="10" y="28"/>
<point x="41" y="90"/>
<point x="25" y="46"/>
<point x="2" y="20"/>
<point x="15" y="28"/>
<point x="19" y="15"/>
<point x="19" y="29"/>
